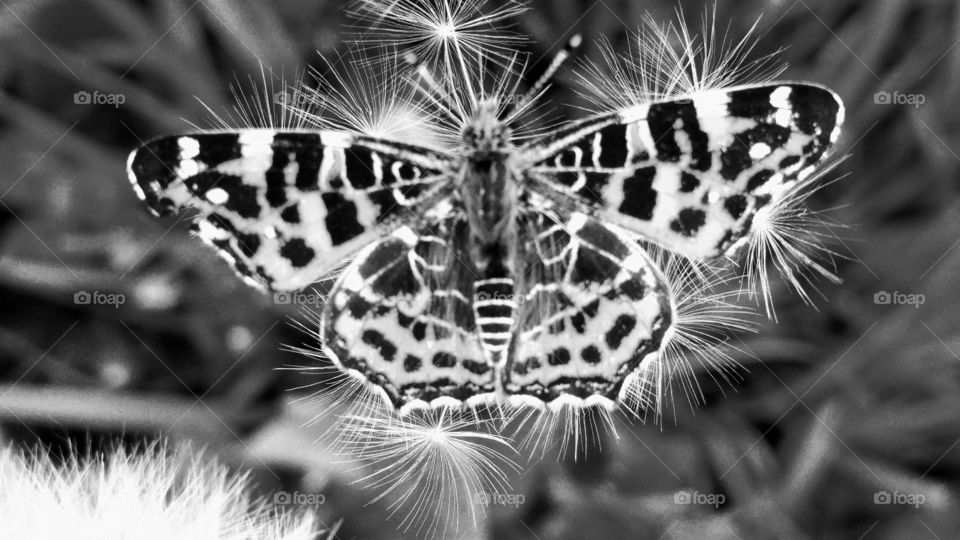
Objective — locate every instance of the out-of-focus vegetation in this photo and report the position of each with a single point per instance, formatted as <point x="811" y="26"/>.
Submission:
<point x="840" y="407"/>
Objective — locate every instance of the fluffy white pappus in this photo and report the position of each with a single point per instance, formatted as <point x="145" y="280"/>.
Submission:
<point x="265" y="102"/>
<point x="451" y="33"/>
<point x="336" y="392"/>
<point x="669" y="61"/>
<point x="432" y="467"/>
<point x="466" y="60"/>
<point x="150" y="492"/>
<point x="382" y="100"/>
<point x="574" y="428"/>
<point x="793" y="238"/>
<point x="705" y="315"/>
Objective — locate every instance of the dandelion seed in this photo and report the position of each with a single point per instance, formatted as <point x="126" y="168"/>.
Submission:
<point x="795" y="239"/>
<point x="265" y="103"/>
<point x="455" y="34"/>
<point x="704" y="316"/>
<point x="567" y="430"/>
<point x="379" y="100"/>
<point x="433" y="465"/>
<point x="668" y="61"/>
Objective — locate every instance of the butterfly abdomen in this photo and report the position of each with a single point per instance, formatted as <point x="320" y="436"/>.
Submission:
<point x="495" y="308"/>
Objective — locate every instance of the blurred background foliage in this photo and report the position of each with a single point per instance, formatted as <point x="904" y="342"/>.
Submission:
<point x="837" y="403"/>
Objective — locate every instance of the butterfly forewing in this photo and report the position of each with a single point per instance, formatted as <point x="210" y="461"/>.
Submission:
<point x="690" y="174"/>
<point x="285" y="208"/>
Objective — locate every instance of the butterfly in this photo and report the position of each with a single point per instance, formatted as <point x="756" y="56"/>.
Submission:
<point x="495" y="270"/>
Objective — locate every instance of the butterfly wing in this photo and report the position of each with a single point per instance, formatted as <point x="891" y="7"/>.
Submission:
<point x="285" y="208"/>
<point x="690" y="174"/>
<point x="593" y="306"/>
<point x="400" y="316"/>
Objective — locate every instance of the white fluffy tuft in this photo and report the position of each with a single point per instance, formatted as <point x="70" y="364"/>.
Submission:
<point x="440" y="32"/>
<point x="704" y="315"/>
<point x="794" y="239"/>
<point x="433" y="465"/>
<point x="668" y="61"/>
<point x="150" y="493"/>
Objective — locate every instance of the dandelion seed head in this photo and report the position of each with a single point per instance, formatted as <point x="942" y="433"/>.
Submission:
<point x="264" y="102"/>
<point x="430" y="465"/>
<point x="376" y="100"/>
<point x="451" y="33"/>
<point x="704" y="314"/>
<point x="669" y="61"/>
<point x="427" y="465"/>
<point x="794" y="239"/>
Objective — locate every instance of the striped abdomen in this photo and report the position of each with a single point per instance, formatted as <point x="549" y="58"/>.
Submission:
<point x="494" y="310"/>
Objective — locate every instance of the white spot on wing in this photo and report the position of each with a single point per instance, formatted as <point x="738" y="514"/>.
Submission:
<point x="256" y="138"/>
<point x="780" y="98"/>
<point x="207" y="231"/>
<point x="338" y="139"/>
<point x="711" y="103"/>
<point x="187" y="168"/>
<point x="217" y="196"/>
<point x="407" y="235"/>
<point x="635" y="113"/>
<point x="783" y="117"/>
<point x="760" y="150"/>
<point x="577" y="221"/>
<point x="189" y="147"/>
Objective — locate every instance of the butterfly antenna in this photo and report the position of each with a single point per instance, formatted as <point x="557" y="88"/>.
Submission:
<point x="572" y="45"/>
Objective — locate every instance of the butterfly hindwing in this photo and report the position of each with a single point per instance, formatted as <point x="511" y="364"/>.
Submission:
<point x="593" y="305"/>
<point x="690" y="174"/>
<point x="285" y="208"/>
<point x="400" y="315"/>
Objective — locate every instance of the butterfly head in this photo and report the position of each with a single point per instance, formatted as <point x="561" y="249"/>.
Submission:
<point x="486" y="136"/>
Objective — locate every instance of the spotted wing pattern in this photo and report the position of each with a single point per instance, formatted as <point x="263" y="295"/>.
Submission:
<point x="400" y="316"/>
<point x="592" y="305"/>
<point x="690" y="174"/>
<point x="285" y="208"/>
